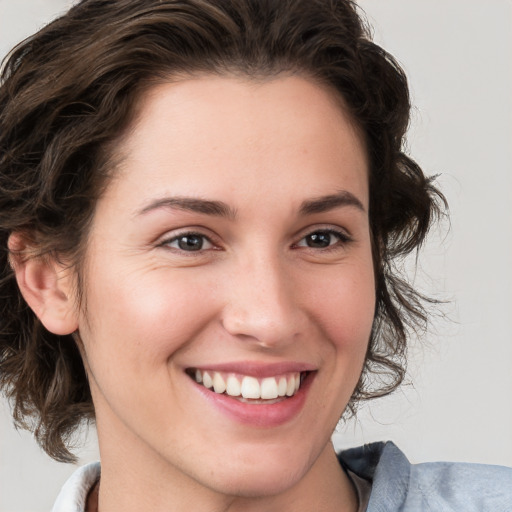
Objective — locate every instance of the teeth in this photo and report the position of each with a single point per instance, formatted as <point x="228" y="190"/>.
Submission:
<point x="290" y="387"/>
<point x="249" y="387"/>
<point x="219" y="386"/>
<point x="207" y="380"/>
<point x="281" y="388"/>
<point x="269" y="388"/>
<point x="233" y="387"/>
<point x="297" y="382"/>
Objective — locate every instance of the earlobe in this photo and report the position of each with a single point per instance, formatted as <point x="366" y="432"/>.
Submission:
<point x="45" y="284"/>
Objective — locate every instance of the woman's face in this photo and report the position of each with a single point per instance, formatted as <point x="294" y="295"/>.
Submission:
<point x="232" y="248"/>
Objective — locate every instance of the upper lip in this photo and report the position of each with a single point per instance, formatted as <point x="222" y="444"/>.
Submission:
<point x="257" y="369"/>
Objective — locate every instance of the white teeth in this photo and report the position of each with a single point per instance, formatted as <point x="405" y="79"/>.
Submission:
<point x="219" y="385"/>
<point x="250" y="387"/>
<point x="290" y="387"/>
<point x="269" y="388"/>
<point x="233" y="386"/>
<point x="297" y="382"/>
<point x="207" y="380"/>
<point x="281" y="388"/>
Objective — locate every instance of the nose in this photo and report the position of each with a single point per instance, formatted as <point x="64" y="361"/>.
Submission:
<point x="262" y="305"/>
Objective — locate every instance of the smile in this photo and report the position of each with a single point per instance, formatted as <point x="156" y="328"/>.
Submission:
<point x="249" y="387"/>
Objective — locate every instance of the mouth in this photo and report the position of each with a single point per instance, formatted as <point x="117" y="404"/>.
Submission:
<point x="248" y="388"/>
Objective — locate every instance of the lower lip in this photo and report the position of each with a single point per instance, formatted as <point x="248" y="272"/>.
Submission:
<point x="259" y="414"/>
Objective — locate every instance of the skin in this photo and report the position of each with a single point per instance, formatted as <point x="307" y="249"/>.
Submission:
<point x="257" y="291"/>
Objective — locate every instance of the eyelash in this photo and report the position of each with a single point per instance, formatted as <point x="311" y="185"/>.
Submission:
<point x="343" y="240"/>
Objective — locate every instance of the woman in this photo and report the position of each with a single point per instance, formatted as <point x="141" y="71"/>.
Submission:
<point x="201" y="204"/>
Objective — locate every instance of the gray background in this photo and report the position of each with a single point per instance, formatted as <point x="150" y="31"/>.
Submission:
<point x="457" y="405"/>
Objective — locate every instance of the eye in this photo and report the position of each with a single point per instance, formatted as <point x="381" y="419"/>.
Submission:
<point x="189" y="242"/>
<point x="323" y="239"/>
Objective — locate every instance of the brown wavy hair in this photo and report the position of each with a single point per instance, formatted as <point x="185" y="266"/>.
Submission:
<point x="69" y="92"/>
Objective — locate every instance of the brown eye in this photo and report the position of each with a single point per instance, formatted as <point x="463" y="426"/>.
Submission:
<point x="320" y="239"/>
<point x="189" y="242"/>
<point x="323" y="238"/>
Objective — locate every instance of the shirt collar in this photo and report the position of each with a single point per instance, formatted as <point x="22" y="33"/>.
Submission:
<point x="73" y="496"/>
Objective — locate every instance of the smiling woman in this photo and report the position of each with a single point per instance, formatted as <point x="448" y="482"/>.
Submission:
<point x="282" y="289"/>
<point x="200" y="206"/>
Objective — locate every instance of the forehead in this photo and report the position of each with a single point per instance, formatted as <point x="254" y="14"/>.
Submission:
<point x="283" y="132"/>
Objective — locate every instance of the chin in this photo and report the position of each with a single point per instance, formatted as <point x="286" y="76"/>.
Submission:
<point x="259" y="476"/>
<point x="258" y="484"/>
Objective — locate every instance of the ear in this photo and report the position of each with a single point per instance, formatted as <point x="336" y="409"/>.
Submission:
<point x="46" y="285"/>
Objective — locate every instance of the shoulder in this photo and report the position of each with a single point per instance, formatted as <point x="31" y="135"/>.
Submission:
<point x="73" y="496"/>
<point x="476" y="487"/>
<point x="441" y="486"/>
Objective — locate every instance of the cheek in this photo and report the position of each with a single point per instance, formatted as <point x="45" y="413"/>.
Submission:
<point x="345" y="308"/>
<point x="134" y="329"/>
<point x="139" y="321"/>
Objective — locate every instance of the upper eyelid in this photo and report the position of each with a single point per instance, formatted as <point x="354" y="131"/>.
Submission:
<point x="172" y="234"/>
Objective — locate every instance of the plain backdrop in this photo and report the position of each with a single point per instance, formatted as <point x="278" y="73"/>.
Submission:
<point x="457" y="402"/>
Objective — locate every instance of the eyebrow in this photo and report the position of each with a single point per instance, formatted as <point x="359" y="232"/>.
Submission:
<point x="192" y="204"/>
<point x="221" y="209"/>
<point x="330" y="202"/>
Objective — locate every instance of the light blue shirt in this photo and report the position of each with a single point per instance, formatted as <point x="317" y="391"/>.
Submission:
<point x="399" y="486"/>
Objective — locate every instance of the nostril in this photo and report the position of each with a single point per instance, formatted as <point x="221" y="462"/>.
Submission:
<point x="261" y="330"/>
